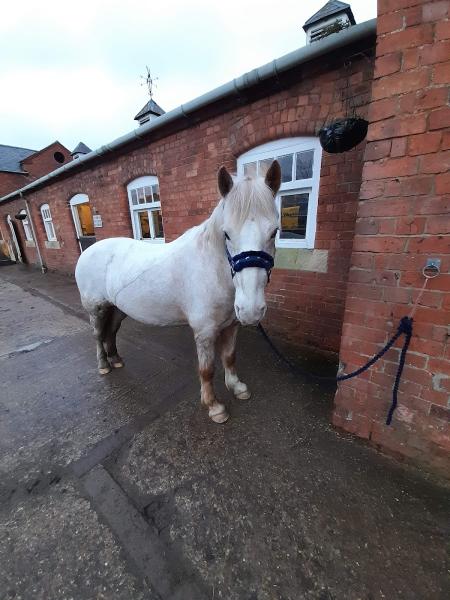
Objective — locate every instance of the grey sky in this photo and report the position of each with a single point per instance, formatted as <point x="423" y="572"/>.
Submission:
<point x="71" y="71"/>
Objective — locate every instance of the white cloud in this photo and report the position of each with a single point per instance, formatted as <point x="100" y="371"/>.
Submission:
<point x="72" y="69"/>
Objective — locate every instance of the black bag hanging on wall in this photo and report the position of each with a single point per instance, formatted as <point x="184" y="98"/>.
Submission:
<point x="345" y="133"/>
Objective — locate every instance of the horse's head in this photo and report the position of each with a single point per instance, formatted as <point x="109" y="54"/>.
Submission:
<point x="250" y="223"/>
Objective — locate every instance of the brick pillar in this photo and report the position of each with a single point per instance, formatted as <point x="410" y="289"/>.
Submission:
<point x="403" y="218"/>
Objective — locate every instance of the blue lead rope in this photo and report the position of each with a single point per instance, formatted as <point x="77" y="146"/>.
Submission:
<point x="405" y="327"/>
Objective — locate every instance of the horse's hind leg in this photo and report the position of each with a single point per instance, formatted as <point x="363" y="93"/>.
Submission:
<point x="206" y="352"/>
<point x="112" y="325"/>
<point x="98" y="319"/>
<point x="227" y="346"/>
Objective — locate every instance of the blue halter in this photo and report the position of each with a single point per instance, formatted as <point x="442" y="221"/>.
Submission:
<point x="250" y="258"/>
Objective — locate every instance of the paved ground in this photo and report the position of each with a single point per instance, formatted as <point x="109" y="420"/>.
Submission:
<point x="121" y="488"/>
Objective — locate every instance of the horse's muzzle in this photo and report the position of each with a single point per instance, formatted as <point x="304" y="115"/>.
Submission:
<point x="250" y="316"/>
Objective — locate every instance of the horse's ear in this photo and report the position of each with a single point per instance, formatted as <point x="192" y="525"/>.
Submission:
<point x="273" y="177"/>
<point x="225" y="182"/>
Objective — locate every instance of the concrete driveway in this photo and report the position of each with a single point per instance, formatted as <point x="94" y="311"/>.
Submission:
<point x="120" y="487"/>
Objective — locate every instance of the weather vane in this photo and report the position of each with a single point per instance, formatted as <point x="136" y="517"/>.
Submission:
<point x="149" y="81"/>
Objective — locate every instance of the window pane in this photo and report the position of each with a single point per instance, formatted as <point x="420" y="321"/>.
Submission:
<point x="48" y="231"/>
<point x="141" y="195"/>
<point x="250" y="169"/>
<point x="155" y="189"/>
<point x="157" y="223"/>
<point x="85" y="217"/>
<point x="264" y="166"/>
<point x="304" y="164"/>
<point x="148" y="194"/>
<point x="286" y="167"/>
<point x="144" y="224"/>
<point x="294" y="211"/>
<point x="27" y="230"/>
<point x="134" y="199"/>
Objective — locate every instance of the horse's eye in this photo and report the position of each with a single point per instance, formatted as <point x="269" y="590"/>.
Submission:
<point x="274" y="234"/>
<point x="227" y="236"/>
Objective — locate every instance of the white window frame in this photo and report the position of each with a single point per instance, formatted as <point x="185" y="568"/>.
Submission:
<point x="48" y="223"/>
<point x="140" y="182"/>
<point x="277" y="148"/>
<point x="26" y="227"/>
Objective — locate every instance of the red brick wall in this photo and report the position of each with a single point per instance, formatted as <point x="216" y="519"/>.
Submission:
<point x="403" y="218"/>
<point x="11" y="181"/>
<point x="306" y="307"/>
<point x="44" y="162"/>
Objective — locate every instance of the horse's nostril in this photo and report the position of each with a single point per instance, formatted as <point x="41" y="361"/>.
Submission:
<point x="262" y="310"/>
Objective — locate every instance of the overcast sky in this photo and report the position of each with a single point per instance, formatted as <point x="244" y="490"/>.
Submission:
<point x="71" y="71"/>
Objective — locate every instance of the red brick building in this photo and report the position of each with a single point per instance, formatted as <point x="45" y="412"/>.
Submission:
<point x="349" y="265"/>
<point x="19" y="166"/>
<point x="403" y="218"/>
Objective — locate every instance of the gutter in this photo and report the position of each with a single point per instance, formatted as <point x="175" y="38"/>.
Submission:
<point x="232" y="89"/>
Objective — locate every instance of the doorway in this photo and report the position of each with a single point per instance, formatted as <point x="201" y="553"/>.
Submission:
<point x="14" y="247"/>
<point x="83" y="221"/>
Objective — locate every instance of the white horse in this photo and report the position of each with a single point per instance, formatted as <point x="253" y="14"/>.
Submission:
<point x="189" y="280"/>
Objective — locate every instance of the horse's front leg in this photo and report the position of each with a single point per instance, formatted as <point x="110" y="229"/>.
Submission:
<point x="227" y="346"/>
<point x="206" y="351"/>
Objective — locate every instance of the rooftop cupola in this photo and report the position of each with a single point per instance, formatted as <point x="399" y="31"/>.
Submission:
<point x="149" y="112"/>
<point x="331" y="18"/>
<point x="80" y="150"/>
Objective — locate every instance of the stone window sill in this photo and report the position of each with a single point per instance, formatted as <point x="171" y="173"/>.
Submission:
<point x="52" y="245"/>
<point x="30" y="244"/>
<point x="301" y="259"/>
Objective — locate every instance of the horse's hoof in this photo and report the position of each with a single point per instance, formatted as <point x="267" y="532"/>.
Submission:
<point x="218" y="413"/>
<point x="244" y="395"/>
<point x="105" y="371"/>
<point x="117" y="365"/>
<point x="220" y="418"/>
